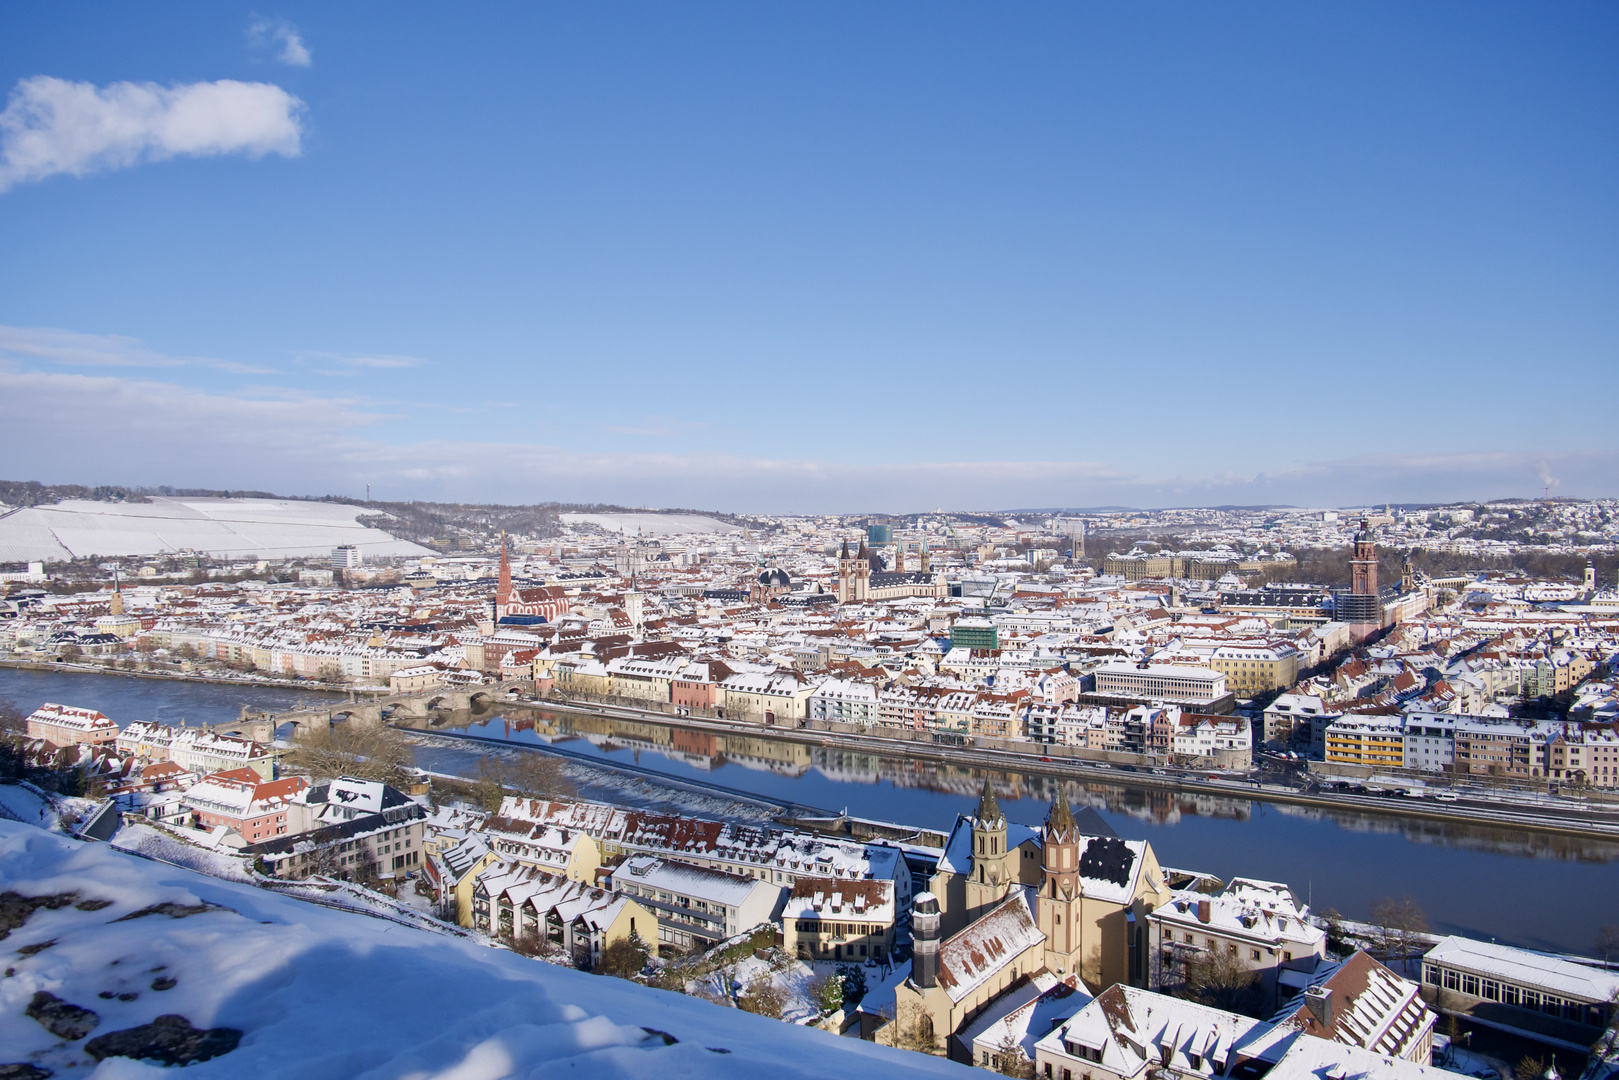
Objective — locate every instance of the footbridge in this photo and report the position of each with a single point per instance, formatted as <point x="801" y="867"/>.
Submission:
<point x="381" y="709"/>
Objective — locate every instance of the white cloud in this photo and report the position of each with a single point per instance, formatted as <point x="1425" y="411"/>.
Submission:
<point x="658" y="427"/>
<point x="348" y="362"/>
<point x="139" y="431"/>
<point x="71" y="348"/>
<point x="282" y="33"/>
<point x="53" y="126"/>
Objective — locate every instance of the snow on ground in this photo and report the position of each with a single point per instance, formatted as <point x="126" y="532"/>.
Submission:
<point x="796" y="982"/>
<point x="59" y="813"/>
<point x="651" y="524"/>
<point x="140" y="839"/>
<point x="228" y="528"/>
<point x="1470" y="1062"/>
<point x="324" y="994"/>
<point x="24" y="803"/>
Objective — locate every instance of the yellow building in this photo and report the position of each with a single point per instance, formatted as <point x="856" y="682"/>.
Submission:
<point x="839" y="919"/>
<point x="1367" y="740"/>
<point x="1255" y="669"/>
<point x="567" y="853"/>
<point x="582" y="675"/>
<point x="455" y="871"/>
<point x="580" y="920"/>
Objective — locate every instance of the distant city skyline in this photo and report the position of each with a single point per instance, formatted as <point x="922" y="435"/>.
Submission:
<point x="826" y="259"/>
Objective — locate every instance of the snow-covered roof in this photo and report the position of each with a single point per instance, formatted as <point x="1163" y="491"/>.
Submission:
<point x="697" y="882"/>
<point x="1130" y="1027"/>
<point x="973" y="956"/>
<point x="1525" y="968"/>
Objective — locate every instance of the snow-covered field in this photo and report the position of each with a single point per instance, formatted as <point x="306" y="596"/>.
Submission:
<point x="651" y="524"/>
<point x="226" y="528"/>
<point x="316" y="993"/>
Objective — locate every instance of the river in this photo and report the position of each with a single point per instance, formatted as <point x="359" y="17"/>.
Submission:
<point x="1522" y="888"/>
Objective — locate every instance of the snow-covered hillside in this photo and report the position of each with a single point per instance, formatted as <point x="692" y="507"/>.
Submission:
<point x="226" y="528"/>
<point x="317" y="993"/>
<point x="652" y="524"/>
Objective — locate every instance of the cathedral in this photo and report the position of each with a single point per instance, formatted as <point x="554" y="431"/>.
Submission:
<point x="865" y="577"/>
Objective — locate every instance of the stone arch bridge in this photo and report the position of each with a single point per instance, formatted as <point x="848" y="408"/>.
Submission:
<point x="376" y="711"/>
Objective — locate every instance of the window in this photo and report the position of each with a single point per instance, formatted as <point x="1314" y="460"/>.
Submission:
<point x="1492" y="990"/>
<point x="1509" y="994"/>
<point x="1254" y="955"/>
<point x="1451" y="980"/>
<point x="1430" y="974"/>
<point x="1470" y="985"/>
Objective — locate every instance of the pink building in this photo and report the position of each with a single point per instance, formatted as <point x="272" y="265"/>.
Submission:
<point x="64" y="725"/>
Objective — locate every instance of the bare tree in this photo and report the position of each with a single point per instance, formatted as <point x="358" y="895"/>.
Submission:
<point x="1334" y="921"/>
<point x="1400" y="923"/>
<point x="368" y="753"/>
<point x="1608" y="943"/>
<point x="1529" y="1068"/>
<point x="763" y="997"/>
<point x="911" y="1028"/>
<point x="12" y="720"/>
<point x="536" y="775"/>
<point x="1218" y="978"/>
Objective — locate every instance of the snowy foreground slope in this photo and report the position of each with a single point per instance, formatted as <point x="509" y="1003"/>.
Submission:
<point x="318" y="993"/>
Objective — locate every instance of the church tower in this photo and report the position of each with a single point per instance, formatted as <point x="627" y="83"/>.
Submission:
<point x="899" y="556"/>
<point x="116" y="607"/>
<point x="632" y="606"/>
<point x="994" y="868"/>
<point x="922" y="557"/>
<point x="862" y="574"/>
<point x="1408" y="576"/>
<point x="503" y="587"/>
<point x="1058" y="908"/>
<point x="845" y="575"/>
<point x="1363" y="566"/>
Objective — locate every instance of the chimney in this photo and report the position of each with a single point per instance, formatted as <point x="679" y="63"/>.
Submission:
<point x="925" y="941"/>
<point x="1203" y="912"/>
<point x="1318" y="999"/>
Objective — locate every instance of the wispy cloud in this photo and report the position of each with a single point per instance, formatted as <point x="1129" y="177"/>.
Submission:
<point x="148" y="431"/>
<point x="272" y="33"/>
<point x="658" y="427"/>
<point x="71" y="348"/>
<point x="351" y="364"/>
<point x="53" y="126"/>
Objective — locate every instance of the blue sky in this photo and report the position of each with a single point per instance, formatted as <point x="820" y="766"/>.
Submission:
<point x="825" y="257"/>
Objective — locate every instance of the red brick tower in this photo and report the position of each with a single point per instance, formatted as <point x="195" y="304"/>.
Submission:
<point x="503" y="590"/>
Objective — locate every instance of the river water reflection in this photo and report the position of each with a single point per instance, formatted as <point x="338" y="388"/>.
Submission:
<point x="1524" y="888"/>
